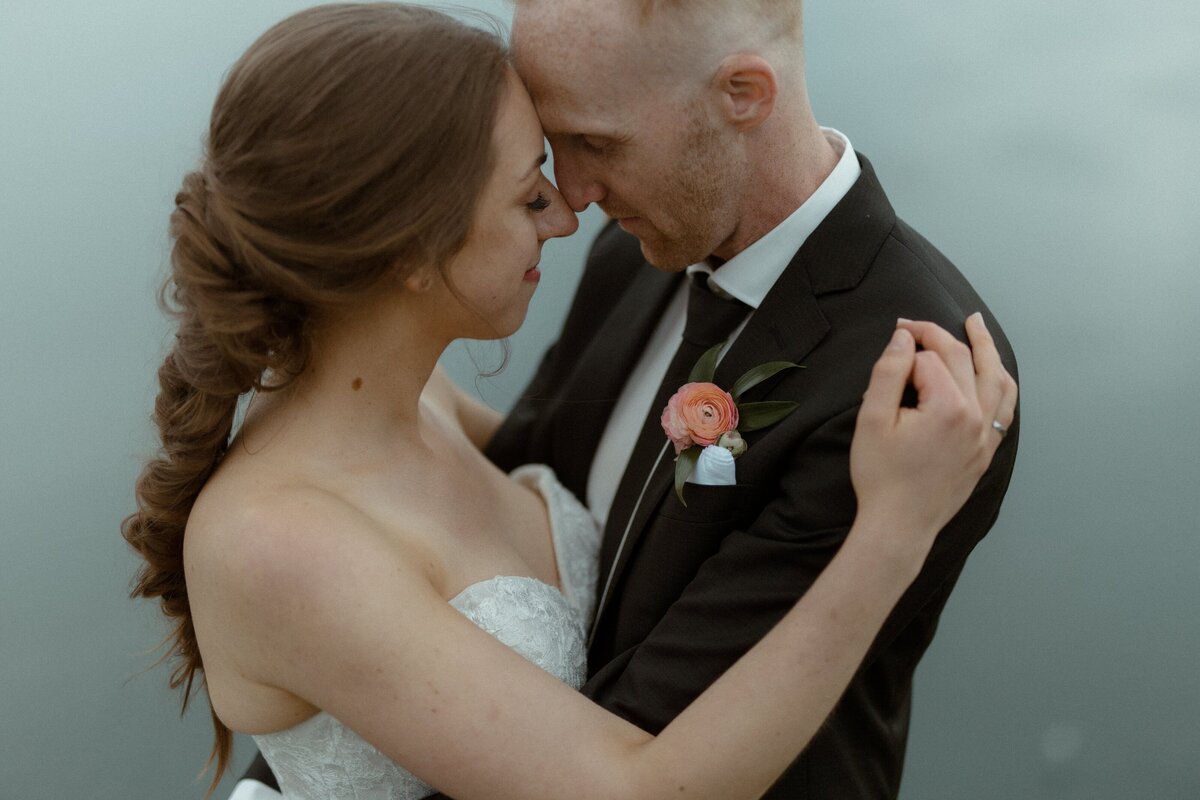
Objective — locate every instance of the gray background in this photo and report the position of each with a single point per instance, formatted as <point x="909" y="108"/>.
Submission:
<point x="1049" y="148"/>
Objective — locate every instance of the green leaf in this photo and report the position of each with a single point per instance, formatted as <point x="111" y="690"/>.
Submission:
<point x="684" y="464"/>
<point x="753" y="416"/>
<point x="706" y="367"/>
<point x="759" y="374"/>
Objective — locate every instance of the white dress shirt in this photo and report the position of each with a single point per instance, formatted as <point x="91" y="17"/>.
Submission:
<point x="748" y="276"/>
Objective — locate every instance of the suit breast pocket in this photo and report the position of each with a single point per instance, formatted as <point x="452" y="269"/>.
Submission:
<point x="712" y="508"/>
<point x="676" y="543"/>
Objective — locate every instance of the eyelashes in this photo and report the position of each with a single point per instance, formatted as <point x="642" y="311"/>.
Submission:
<point x="540" y="204"/>
<point x="595" y="144"/>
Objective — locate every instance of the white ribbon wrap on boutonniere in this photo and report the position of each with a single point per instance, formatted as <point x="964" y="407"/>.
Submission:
<point x="702" y="417"/>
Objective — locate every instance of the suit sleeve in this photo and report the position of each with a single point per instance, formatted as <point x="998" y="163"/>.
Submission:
<point x="260" y="771"/>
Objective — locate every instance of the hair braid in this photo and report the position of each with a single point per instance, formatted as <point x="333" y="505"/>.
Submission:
<point x="348" y="144"/>
<point x="229" y="336"/>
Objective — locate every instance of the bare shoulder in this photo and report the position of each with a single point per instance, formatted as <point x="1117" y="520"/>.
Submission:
<point x="262" y="523"/>
<point x="274" y="550"/>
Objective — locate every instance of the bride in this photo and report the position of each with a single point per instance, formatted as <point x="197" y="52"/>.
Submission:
<point x="353" y="583"/>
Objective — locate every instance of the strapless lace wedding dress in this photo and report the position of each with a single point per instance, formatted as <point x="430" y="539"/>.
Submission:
<point x="322" y="759"/>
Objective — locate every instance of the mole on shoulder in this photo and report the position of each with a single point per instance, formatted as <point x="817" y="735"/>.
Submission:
<point x="357" y="384"/>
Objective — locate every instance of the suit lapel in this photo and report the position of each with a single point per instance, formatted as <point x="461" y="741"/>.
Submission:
<point x="786" y="327"/>
<point x="599" y="376"/>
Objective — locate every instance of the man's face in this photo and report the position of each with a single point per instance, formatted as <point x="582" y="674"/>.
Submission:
<point x="647" y="154"/>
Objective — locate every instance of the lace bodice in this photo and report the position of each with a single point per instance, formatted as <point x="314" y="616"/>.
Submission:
<point x="322" y="759"/>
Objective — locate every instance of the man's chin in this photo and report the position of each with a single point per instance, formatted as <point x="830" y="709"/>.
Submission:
<point x="668" y="259"/>
<point x="660" y="253"/>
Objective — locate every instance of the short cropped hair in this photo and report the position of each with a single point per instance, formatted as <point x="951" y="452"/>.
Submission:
<point x="786" y="14"/>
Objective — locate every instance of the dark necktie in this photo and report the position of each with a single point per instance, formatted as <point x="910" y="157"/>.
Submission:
<point x="710" y="320"/>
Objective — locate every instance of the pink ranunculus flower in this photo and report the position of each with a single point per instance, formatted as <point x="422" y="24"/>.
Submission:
<point x="699" y="413"/>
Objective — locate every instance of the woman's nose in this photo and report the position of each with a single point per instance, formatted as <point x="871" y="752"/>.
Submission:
<point x="558" y="219"/>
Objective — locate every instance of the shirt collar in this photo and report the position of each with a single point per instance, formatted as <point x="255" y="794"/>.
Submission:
<point x="750" y="274"/>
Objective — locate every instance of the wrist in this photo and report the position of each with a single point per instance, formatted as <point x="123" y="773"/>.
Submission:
<point x="897" y="544"/>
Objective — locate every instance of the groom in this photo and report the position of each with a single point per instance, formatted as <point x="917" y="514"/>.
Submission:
<point x="688" y="122"/>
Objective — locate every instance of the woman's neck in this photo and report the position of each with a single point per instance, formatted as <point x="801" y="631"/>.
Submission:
<point x="361" y="391"/>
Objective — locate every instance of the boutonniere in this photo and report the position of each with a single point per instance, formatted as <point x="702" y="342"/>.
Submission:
<point x="701" y="414"/>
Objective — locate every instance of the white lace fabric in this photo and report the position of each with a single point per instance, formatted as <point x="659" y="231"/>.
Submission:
<point x="322" y="759"/>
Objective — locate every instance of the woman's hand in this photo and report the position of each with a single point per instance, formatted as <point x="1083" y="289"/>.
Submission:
<point x="913" y="468"/>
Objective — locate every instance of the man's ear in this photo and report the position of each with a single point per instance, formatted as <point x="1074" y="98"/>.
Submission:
<point x="748" y="88"/>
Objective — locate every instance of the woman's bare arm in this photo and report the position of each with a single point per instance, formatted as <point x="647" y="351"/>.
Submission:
<point x="326" y="607"/>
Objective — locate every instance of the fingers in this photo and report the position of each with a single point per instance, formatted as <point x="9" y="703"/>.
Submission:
<point x="891" y="373"/>
<point x="937" y="389"/>
<point x="977" y="369"/>
<point x="955" y="354"/>
<point x="989" y="371"/>
<point x="997" y="391"/>
<point x="983" y="347"/>
<point x="962" y="387"/>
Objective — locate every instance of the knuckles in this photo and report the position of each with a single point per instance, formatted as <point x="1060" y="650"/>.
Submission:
<point x="958" y="350"/>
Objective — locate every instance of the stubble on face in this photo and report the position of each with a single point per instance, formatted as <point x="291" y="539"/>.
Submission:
<point x="693" y="203"/>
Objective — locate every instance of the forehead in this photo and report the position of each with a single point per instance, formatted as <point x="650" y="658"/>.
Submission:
<point x="580" y="63"/>
<point x="518" y="135"/>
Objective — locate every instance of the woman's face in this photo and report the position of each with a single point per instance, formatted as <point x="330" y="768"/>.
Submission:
<point x="495" y="274"/>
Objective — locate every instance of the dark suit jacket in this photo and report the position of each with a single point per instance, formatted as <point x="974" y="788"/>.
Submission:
<point x="697" y="586"/>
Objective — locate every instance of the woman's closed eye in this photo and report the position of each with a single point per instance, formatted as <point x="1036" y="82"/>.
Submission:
<point x="540" y="204"/>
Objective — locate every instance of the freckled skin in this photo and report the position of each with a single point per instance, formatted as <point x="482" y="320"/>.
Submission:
<point x="357" y="384"/>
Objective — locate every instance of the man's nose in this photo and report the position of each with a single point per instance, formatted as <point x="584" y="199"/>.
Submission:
<point x="578" y="186"/>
